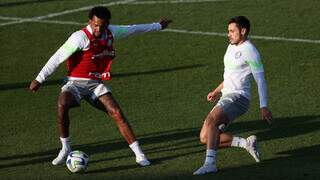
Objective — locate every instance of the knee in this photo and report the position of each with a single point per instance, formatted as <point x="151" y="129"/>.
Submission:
<point x="203" y="138"/>
<point x="213" y="123"/>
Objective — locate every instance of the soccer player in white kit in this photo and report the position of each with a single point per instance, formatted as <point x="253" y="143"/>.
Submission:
<point x="241" y="63"/>
<point x="89" y="53"/>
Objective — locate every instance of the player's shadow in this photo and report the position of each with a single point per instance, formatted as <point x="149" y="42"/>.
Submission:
<point x="25" y="85"/>
<point x="301" y="163"/>
<point x="281" y="127"/>
<point x="99" y="147"/>
<point x="169" y="145"/>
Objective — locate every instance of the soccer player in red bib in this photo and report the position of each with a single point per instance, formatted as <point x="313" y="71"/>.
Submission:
<point x="89" y="53"/>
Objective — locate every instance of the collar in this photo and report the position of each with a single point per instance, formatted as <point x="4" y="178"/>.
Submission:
<point x="89" y="29"/>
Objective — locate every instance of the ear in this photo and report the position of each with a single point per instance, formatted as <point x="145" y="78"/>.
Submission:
<point x="243" y="31"/>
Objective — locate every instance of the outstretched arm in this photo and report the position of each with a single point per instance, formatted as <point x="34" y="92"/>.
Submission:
<point x="48" y="69"/>
<point x="63" y="53"/>
<point x="123" y="31"/>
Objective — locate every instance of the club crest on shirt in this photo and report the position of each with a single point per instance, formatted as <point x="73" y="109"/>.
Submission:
<point x="238" y="55"/>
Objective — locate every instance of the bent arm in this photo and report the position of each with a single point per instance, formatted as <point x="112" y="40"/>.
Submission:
<point x="219" y="88"/>
<point x="215" y="94"/>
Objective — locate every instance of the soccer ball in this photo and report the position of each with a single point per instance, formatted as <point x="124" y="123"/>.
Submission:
<point x="77" y="161"/>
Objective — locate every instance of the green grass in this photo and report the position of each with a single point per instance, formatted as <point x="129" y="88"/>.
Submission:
<point x="161" y="80"/>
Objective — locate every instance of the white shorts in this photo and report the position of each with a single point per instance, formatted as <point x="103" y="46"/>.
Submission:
<point x="233" y="105"/>
<point x="88" y="89"/>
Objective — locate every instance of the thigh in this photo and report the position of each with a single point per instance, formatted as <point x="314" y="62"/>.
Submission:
<point x="233" y="105"/>
<point x="70" y="92"/>
<point x="67" y="100"/>
<point x="97" y="94"/>
<point x="108" y="102"/>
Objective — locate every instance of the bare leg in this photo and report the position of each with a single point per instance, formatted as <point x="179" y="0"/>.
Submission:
<point x="225" y="139"/>
<point x="210" y="135"/>
<point x="66" y="101"/>
<point x="214" y="119"/>
<point x="114" y="111"/>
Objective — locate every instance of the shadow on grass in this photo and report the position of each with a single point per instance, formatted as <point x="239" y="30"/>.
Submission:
<point x="25" y="85"/>
<point x="302" y="163"/>
<point x="169" y="145"/>
<point x="105" y="146"/>
<point x="281" y="127"/>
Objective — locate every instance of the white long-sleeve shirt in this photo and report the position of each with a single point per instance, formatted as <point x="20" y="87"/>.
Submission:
<point x="79" y="41"/>
<point x="241" y="63"/>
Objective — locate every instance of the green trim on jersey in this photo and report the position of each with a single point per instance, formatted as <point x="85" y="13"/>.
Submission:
<point x="120" y="32"/>
<point x="69" y="48"/>
<point x="231" y="66"/>
<point x="255" y="65"/>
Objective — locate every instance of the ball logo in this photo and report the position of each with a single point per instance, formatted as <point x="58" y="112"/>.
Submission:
<point x="77" y="161"/>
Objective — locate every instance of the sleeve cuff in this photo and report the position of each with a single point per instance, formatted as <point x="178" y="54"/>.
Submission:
<point x="158" y="26"/>
<point x="39" y="79"/>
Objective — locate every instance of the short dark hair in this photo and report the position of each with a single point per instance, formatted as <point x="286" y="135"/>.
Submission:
<point x="100" y="12"/>
<point x="242" y="22"/>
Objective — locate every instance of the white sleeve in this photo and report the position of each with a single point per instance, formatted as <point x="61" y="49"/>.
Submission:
<point x="262" y="88"/>
<point x="253" y="59"/>
<point x="75" y="42"/>
<point x="123" y="31"/>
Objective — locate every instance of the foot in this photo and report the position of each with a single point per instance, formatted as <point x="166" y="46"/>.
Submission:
<point x="142" y="160"/>
<point x="205" y="169"/>
<point x="61" y="158"/>
<point x="252" y="147"/>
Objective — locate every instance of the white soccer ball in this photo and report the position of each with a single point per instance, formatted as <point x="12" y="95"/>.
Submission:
<point x="77" y="161"/>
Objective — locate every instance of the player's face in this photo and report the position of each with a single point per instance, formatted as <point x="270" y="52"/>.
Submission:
<point x="98" y="25"/>
<point x="235" y="34"/>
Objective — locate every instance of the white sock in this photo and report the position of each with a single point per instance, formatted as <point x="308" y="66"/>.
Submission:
<point x="65" y="143"/>
<point x="136" y="148"/>
<point x="239" y="142"/>
<point x="210" y="156"/>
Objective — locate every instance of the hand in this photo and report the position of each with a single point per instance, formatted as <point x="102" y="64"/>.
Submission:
<point x="34" y="86"/>
<point x="266" y="115"/>
<point x="165" y="22"/>
<point x="213" y="96"/>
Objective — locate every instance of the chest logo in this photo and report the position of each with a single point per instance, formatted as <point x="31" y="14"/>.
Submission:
<point x="238" y="55"/>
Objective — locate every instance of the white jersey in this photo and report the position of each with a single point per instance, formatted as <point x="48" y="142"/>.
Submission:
<point x="79" y="41"/>
<point x="242" y="63"/>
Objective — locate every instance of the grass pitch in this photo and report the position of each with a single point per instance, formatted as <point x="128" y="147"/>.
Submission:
<point x="161" y="80"/>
